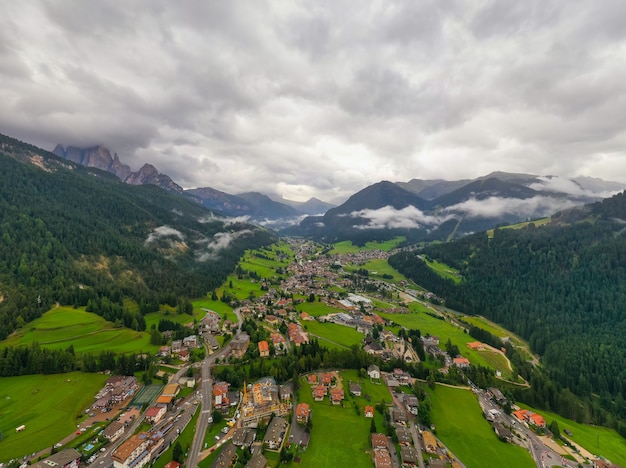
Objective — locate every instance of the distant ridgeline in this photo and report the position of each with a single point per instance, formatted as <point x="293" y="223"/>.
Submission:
<point x="562" y="287"/>
<point x="74" y="235"/>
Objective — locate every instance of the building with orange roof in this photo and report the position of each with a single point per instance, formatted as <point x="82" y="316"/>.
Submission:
<point x="430" y="443"/>
<point x="302" y="413"/>
<point x="165" y="399"/>
<point x="264" y="348"/>
<point x="537" y="420"/>
<point x="461" y="362"/>
<point x="379" y="441"/>
<point x="476" y="345"/>
<point x="134" y="452"/>
<point x="220" y="395"/>
<point x="382" y="459"/>
<point x="369" y="411"/>
<point x="319" y="393"/>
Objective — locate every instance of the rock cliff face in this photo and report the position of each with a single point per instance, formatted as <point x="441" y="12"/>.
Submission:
<point x="100" y="158"/>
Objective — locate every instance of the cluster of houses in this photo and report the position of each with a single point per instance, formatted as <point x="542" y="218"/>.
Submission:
<point x="116" y="390"/>
<point x="528" y="417"/>
<point x="180" y="348"/>
<point x="327" y="384"/>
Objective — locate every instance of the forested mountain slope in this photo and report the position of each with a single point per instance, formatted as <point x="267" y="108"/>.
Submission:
<point x="71" y="234"/>
<point x="561" y="286"/>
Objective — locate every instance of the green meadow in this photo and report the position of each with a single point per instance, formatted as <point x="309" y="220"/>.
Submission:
<point x="463" y="429"/>
<point x="345" y="247"/>
<point x="379" y="267"/>
<point x="428" y="324"/>
<point x="333" y="333"/>
<point x="87" y="332"/>
<point x="316" y="308"/>
<point x="47" y="405"/>
<point x="537" y="222"/>
<point x="444" y="270"/>
<point x="597" y="440"/>
<point x="332" y="423"/>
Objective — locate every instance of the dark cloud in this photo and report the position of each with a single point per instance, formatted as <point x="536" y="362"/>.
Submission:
<point x="320" y="99"/>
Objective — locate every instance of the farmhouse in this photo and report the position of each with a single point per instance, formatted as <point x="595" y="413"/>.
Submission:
<point x="69" y="458"/>
<point x="476" y="345"/>
<point x="275" y="433"/>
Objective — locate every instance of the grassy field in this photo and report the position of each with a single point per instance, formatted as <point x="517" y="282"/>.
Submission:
<point x="427" y="324"/>
<point x="222" y="309"/>
<point x="537" y="222"/>
<point x="339" y="334"/>
<point x="347" y="246"/>
<point x="171" y="315"/>
<point x="462" y="427"/>
<point x="598" y="440"/>
<point x="379" y="267"/>
<point x="316" y="308"/>
<point x="47" y="405"/>
<point x="336" y="423"/>
<point x="87" y="332"/>
<point x="444" y="270"/>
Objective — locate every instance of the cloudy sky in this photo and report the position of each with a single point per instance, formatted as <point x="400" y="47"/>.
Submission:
<point x="322" y="98"/>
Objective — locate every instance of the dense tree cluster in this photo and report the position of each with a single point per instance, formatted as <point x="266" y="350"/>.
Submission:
<point x="561" y="287"/>
<point x="82" y="237"/>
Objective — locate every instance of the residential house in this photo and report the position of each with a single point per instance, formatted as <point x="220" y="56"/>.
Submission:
<point x="337" y="396"/>
<point x="114" y="431"/>
<point x="272" y="319"/>
<point x="275" y="433"/>
<point x="220" y="395"/>
<point x="319" y="392"/>
<point x="411" y="402"/>
<point x="190" y="341"/>
<point x="379" y="441"/>
<point x="284" y="392"/>
<point x="409" y="456"/>
<point x="172" y="464"/>
<point x="177" y="345"/>
<point x="164" y="351"/>
<point x="373" y="371"/>
<point x="382" y="459"/>
<point x="369" y="411"/>
<point x="312" y="379"/>
<point x="264" y="348"/>
<point x="355" y="389"/>
<point x="257" y="461"/>
<point x="239" y="345"/>
<point x="244" y="437"/>
<point x="461" y="362"/>
<point x="302" y="413"/>
<point x="184" y="355"/>
<point x="226" y="458"/>
<point x="211" y="341"/>
<point x="404" y="436"/>
<point x="397" y="416"/>
<point x="155" y="413"/>
<point x="68" y="458"/>
<point x="327" y="379"/>
<point x="502" y="432"/>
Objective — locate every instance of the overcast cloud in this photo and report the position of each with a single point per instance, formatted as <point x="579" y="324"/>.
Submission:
<point x="322" y="98"/>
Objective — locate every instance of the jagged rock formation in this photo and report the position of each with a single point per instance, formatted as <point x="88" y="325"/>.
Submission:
<point x="100" y="158"/>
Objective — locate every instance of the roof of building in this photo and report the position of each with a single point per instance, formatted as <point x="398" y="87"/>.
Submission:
<point x="302" y="410"/>
<point x="127" y="448"/>
<point x="263" y="346"/>
<point x="258" y="461"/>
<point x="379" y="441"/>
<point x="61" y="458"/>
<point x="165" y="399"/>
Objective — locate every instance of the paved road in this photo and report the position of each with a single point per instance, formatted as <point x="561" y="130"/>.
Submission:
<point x="207" y="401"/>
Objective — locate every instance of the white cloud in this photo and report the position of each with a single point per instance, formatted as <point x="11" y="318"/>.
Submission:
<point x="390" y="218"/>
<point x="562" y="185"/>
<point x="163" y="232"/>
<point x="492" y="207"/>
<point x="210" y="248"/>
<point x="321" y="99"/>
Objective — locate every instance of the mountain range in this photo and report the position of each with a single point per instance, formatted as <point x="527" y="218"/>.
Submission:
<point x="419" y="209"/>
<point x="444" y="210"/>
